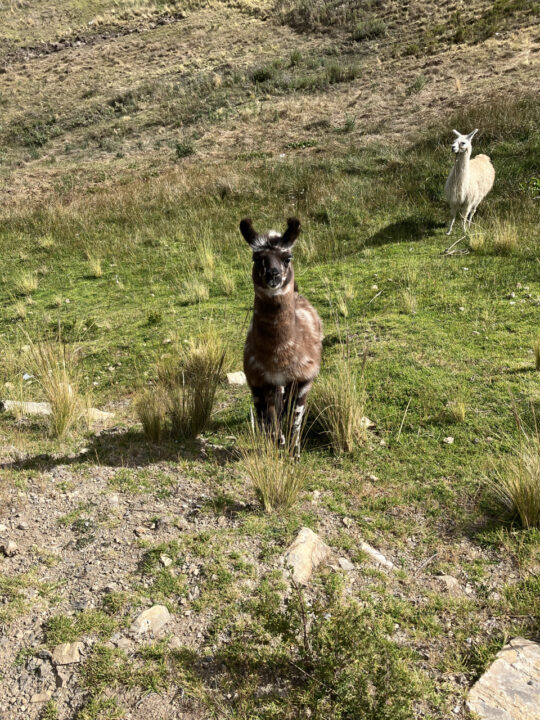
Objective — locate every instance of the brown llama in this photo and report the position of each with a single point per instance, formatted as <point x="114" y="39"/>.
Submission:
<point x="282" y="354"/>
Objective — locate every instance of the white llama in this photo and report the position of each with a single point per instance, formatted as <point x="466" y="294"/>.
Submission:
<point x="469" y="181"/>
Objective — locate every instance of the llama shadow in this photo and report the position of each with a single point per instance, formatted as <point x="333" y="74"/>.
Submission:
<point x="120" y="447"/>
<point x="409" y="229"/>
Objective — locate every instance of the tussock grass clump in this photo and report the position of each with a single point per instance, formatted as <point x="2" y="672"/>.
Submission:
<point x="273" y="471"/>
<point x="369" y="28"/>
<point x="45" y="242"/>
<point x="408" y="301"/>
<point x="456" y="410"/>
<point x="227" y="282"/>
<point x="505" y="237"/>
<point x="194" y="290"/>
<point x="94" y="265"/>
<point x="25" y="283"/>
<point x="19" y="308"/>
<point x="338" y="403"/>
<point x="56" y="368"/>
<point x="151" y="408"/>
<point x="476" y="240"/>
<point x="185" y="390"/>
<point x="516" y="485"/>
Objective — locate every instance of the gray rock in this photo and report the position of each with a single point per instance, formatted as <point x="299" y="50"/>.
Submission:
<point x="376" y="556"/>
<point x="8" y="548"/>
<point x="44" y="408"/>
<point x="67" y="653"/>
<point x="451" y="585"/>
<point x="305" y="554"/>
<point x="124" y="643"/>
<point x="165" y="560"/>
<point x="345" y="564"/>
<point x="510" y="687"/>
<point x="41" y="697"/>
<point x="151" y="620"/>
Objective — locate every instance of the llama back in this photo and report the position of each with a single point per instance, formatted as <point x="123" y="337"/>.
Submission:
<point x="483" y="175"/>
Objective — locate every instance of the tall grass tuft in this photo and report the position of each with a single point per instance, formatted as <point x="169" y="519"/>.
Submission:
<point x="505" y="237"/>
<point x="516" y="483"/>
<point x="56" y="368"/>
<point x="276" y="475"/>
<point x="94" y="265"/>
<point x="338" y="400"/>
<point x="151" y="408"/>
<point x="25" y="283"/>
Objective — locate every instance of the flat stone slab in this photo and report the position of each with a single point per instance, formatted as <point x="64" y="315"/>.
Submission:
<point x="305" y="554"/>
<point x="44" y="408"/>
<point x="376" y="556"/>
<point x="67" y="653"/>
<point x="510" y="687"/>
<point x="151" y="620"/>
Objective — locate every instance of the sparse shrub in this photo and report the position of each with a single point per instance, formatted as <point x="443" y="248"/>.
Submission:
<point x="19" y="308"/>
<point x="505" y="237"/>
<point x="206" y="260"/>
<point x="273" y="471"/>
<point x="45" y="242"/>
<point x="151" y="408"/>
<point x="515" y="482"/>
<point x="338" y="405"/>
<point x="337" y="73"/>
<point x="369" y="28"/>
<point x="417" y="85"/>
<point x="329" y="655"/>
<point x="536" y="351"/>
<point x="56" y="368"/>
<point x="25" y="283"/>
<point x="184" y="148"/>
<point x="264" y="73"/>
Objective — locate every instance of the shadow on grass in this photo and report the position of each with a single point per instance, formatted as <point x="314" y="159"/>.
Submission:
<point x="409" y="229"/>
<point x="129" y="448"/>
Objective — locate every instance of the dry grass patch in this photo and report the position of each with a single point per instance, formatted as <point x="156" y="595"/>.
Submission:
<point x="505" y="237"/>
<point x="338" y="400"/>
<point x="56" y="368"/>
<point x="515" y="482"/>
<point x="275" y="474"/>
<point x="25" y="283"/>
<point x="151" y="408"/>
<point x="94" y="265"/>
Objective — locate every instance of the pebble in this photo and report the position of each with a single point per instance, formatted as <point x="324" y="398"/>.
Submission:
<point x="9" y="548"/>
<point x="448" y="440"/>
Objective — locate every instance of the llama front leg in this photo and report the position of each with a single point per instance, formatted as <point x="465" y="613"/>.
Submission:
<point x="453" y="220"/>
<point x="301" y="394"/>
<point x="266" y="400"/>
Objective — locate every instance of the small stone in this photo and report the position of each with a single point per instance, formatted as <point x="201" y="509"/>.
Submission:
<point x="373" y="478"/>
<point x="315" y="496"/>
<point x="9" y="548"/>
<point x="67" y="653"/>
<point x="448" y="440"/>
<point x="124" y="643"/>
<point x="41" y="697"/>
<point x="305" y="554"/>
<point x="366" y="423"/>
<point x="141" y="530"/>
<point x="23" y="525"/>
<point x="451" y="585"/>
<point x="165" y="560"/>
<point x="347" y="522"/>
<point x="375" y="555"/>
<point x="345" y="564"/>
<point x="236" y="378"/>
<point x="3" y="528"/>
<point x="175" y="643"/>
<point x="151" y="620"/>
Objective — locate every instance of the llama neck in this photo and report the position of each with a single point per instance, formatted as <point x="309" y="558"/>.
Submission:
<point x="462" y="171"/>
<point x="273" y="313"/>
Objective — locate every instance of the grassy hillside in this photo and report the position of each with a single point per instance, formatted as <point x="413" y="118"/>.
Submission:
<point x="133" y="138"/>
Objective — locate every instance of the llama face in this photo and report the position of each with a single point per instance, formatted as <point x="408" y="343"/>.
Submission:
<point x="462" y="143"/>
<point x="272" y="269"/>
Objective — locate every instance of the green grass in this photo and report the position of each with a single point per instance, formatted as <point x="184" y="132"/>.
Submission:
<point x="447" y="342"/>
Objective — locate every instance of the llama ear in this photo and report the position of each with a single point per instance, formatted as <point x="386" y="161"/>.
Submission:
<point x="458" y="134"/>
<point x="291" y="233"/>
<point x="472" y="134"/>
<point x="248" y="231"/>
